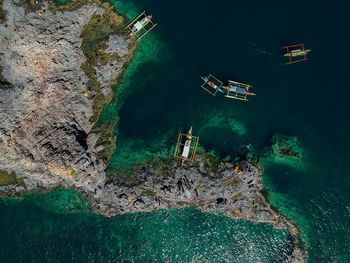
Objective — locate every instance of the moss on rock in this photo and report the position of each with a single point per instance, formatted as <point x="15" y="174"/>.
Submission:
<point x="95" y="37"/>
<point x="233" y="181"/>
<point x="63" y="5"/>
<point x="7" y="178"/>
<point x="106" y="140"/>
<point x="149" y="192"/>
<point x="158" y="167"/>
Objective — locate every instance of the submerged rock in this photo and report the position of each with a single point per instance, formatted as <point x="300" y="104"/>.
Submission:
<point x="285" y="150"/>
<point x="286" y="146"/>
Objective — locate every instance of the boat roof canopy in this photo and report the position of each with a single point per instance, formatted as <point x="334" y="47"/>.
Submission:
<point x="238" y="90"/>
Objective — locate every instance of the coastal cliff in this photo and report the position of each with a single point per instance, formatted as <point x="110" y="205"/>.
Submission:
<point x="52" y="93"/>
<point x="57" y="70"/>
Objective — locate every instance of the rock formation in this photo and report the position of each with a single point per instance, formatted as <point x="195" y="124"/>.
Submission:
<point x="47" y="104"/>
<point x="44" y="115"/>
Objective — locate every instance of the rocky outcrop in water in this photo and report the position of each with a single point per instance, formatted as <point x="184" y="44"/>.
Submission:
<point x="234" y="191"/>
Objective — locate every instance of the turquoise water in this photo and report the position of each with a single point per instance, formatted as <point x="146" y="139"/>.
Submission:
<point x="67" y="232"/>
<point x="160" y="95"/>
<point x="62" y="2"/>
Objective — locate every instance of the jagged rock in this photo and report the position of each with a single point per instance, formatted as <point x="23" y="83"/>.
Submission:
<point x="188" y="186"/>
<point x="118" y="45"/>
<point x="45" y="119"/>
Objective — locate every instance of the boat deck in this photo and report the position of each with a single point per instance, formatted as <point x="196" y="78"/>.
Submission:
<point x="186" y="147"/>
<point x="141" y="25"/>
<point x="237" y="90"/>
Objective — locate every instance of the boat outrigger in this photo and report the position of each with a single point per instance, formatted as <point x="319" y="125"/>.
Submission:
<point x="211" y="84"/>
<point x="186" y="146"/>
<point x="234" y="89"/>
<point x="141" y="25"/>
<point x="296" y="53"/>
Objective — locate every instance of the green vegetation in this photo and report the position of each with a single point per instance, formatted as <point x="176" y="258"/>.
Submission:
<point x="73" y="173"/>
<point x="233" y="181"/>
<point x="125" y="175"/>
<point x="159" y="168"/>
<point x="10" y="179"/>
<point x="62" y="5"/>
<point x="149" y="192"/>
<point x="95" y="37"/>
<point x="107" y="139"/>
<point x="211" y="161"/>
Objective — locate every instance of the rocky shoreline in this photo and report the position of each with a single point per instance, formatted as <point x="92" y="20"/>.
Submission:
<point x="234" y="191"/>
<point x="48" y="104"/>
<point x="54" y="82"/>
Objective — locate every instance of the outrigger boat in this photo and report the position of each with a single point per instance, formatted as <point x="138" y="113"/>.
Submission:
<point x="186" y="146"/>
<point x="237" y="90"/>
<point x="141" y="25"/>
<point x="212" y="84"/>
<point x="234" y="89"/>
<point x="296" y="53"/>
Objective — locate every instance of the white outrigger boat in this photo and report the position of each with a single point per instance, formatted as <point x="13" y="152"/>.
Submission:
<point x="141" y="25"/>
<point x="186" y="146"/>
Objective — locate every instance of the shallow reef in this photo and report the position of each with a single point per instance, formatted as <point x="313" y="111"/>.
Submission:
<point x="285" y="150"/>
